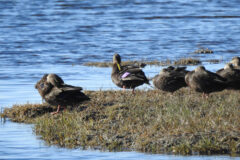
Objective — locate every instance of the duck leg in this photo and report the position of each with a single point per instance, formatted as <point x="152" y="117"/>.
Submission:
<point x="207" y="95"/>
<point x="204" y="95"/>
<point x="133" y="91"/>
<point x="58" y="108"/>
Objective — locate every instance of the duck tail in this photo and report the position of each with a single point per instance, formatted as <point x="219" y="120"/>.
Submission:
<point x="148" y="82"/>
<point x="150" y="85"/>
<point x="150" y="78"/>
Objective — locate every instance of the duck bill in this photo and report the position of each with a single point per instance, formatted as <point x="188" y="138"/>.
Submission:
<point x="119" y="66"/>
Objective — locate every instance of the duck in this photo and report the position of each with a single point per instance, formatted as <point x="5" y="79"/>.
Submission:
<point x="170" y="79"/>
<point x="204" y="81"/>
<point x="54" y="91"/>
<point x="232" y="75"/>
<point x="235" y="62"/>
<point x="127" y="77"/>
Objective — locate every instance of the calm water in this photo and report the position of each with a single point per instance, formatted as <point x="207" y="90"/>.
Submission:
<point x="58" y="36"/>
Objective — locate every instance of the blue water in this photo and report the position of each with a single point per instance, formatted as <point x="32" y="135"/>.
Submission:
<point x="18" y="143"/>
<point x="59" y="36"/>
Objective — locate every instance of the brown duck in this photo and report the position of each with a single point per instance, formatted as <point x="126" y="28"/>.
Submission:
<point x="205" y="81"/>
<point x="170" y="79"/>
<point x="55" y="92"/>
<point x="127" y="77"/>
<point x="232" y="75"/>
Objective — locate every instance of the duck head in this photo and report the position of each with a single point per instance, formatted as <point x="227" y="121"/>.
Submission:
<point x="235" y="61"/>
<point x="200" y="69"/>
<point x="117" y="60"/>
<point x="43" y="86"/>
<point x="41" y="81"/>
<point x="228" y="66"/>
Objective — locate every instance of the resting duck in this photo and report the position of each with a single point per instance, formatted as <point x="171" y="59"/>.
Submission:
<point x="127" y="77"/>
<point x="170" y="79"/>
<point x="205" y="81"/>
<point x="55" y="92"/>
<point x="232" y="75"/>
<point x="235" y="62"/>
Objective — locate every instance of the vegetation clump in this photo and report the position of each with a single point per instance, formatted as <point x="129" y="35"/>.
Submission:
<point x="214" y="61"/>
<point x="27" y="112"/>
<point x="203" y="51"/>
<point x="187" y="61"/>
<point x="183" y="61"/>
<point x="149" y="121"/>
<point x="110" y="64"/>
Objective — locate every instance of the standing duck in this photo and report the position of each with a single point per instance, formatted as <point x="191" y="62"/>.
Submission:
<point x="170" y="79"/>
<point x="204" y="81"/>
<point x="232" y="75"/>
<point x="54" y="91"/>
<point x="127" y="77"/>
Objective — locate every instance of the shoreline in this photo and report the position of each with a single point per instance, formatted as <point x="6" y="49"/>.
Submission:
<point x="179" y="62"/>
<point x="150" y="121"/>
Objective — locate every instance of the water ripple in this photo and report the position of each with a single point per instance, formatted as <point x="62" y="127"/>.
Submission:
<point x="58" y="36"/>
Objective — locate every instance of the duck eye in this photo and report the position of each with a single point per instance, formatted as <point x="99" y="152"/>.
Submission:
<point x="42" y="85"/>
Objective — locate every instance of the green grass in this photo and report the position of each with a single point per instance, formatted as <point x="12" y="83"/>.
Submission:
<point x="149" y="121"/>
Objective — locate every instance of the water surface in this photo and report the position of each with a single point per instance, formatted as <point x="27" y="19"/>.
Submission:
<point x="59" y="36"/>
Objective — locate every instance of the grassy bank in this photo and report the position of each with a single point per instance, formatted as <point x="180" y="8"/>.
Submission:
<point x="150" y="121"/>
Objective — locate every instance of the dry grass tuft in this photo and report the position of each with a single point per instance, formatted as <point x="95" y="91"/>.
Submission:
<point x="203" y="51"/>
<point x="150" y="121"/>
<point x="187" y="61"/>
<point x="109" y="64"/>
<point x="183" y="61"/>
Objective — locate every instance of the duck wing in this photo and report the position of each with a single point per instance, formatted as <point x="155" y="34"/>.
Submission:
<point x="178" y="79"/>
<point x="66" y="87"/>
<point x="131" y="70"/>
<point x="220" y="71"/>
<point x="133" y="74"/>
<point x="209" y="82"/>
<point x="215" y="77"/>
<point x="230" y="74"/>
<point x="169" y="81"/>
<point x="65" y="96"/>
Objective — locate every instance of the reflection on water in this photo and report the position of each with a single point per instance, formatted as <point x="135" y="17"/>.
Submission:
<point x="55" y="36"/>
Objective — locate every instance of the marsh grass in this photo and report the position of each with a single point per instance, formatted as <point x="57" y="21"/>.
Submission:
<point x="27" y="112"/>
<point x="214" y="61"/>
<point x="149" y="121"/>
<point x="203" y="51"/>
<point x="183" y="61"/>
